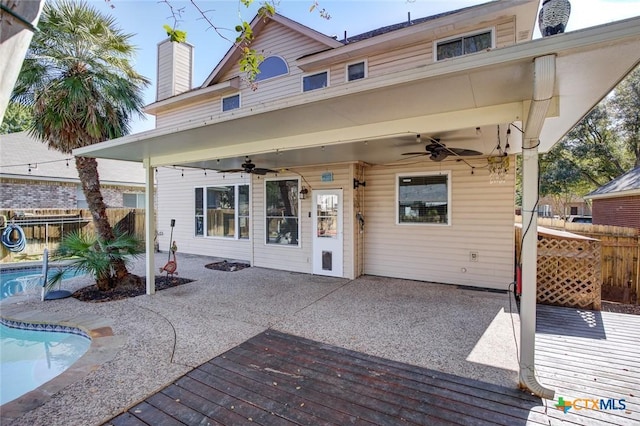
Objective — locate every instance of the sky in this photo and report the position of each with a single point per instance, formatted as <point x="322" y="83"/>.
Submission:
<point x="145" y="18"/>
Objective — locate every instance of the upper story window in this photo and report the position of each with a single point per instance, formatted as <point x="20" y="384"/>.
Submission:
<point x="424" y="198"/>
<point x="315" y="81"/>
<point x="356" y="71"/>
<point x="231" y="102"/>
<point x="272" y="66"/>
<point x="464" y="45"/>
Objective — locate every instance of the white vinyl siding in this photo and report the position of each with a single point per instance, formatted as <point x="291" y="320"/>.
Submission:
<point x="441" y="253"/>
<point x="176" y="200"/>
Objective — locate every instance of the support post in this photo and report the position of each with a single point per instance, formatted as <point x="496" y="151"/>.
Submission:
<point x="150" y="226"/>
<point x="543" y="88"/>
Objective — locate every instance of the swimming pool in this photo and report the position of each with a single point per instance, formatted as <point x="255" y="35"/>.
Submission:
<point x="32" y="357"/>
<point x="11" y="284"/>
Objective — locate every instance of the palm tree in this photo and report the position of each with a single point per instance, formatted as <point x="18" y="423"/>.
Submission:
<point x="78" y="79"/>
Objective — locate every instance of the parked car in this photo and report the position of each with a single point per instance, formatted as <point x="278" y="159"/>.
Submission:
<point x="579" y="219"/>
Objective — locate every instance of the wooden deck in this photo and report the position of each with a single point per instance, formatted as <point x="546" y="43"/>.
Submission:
<point x="590" y="355"/>
<point x="275" y="378"/>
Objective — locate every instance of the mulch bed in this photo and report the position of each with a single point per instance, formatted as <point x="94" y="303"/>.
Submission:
<point x="227" y="266"/>
<point x="92" y="294"/>
<point x="620" y="308"/>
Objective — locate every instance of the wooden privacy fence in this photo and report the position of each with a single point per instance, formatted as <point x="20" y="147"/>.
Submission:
<point x="568" y="269"/>
<point x="46" y="227"/>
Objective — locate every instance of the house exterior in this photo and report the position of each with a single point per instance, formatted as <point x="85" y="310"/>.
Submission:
<point x="617" y="203"/>
<point x="35" y="177"/>
<point x="563" y="206"/>
<point x="389" y="153"/>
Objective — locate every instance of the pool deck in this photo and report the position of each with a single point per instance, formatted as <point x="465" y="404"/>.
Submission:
<point x="434" y="330"/>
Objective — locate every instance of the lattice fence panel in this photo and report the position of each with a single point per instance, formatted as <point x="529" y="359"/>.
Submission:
<point x="569" y="273"/>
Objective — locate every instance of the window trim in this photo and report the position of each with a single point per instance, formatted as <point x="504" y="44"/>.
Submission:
<point x="286" y="64"/>
<point x="265" y="216"/>
<point x="236" y="216"/>
<point x="310" y="74"/>
<point x="346" y="70"/>
<point x="231" y="96"/>
<point x="462" y="36"/>
<point x="416" y="174"/>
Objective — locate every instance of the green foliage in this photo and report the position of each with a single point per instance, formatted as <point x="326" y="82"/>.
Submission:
<point x="89" y="254"/>
<point x="175" y="35"/>
<point x="78" y="79"/>
<point x="625" y="105"/>
<point x="17" y="118"/>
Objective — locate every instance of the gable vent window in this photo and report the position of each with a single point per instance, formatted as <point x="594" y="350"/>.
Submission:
<point x="272" y="66"/>
<point x="464" y="45"/>
<point x="356" y="71"/>
<point x="231" y="102"/>
<point x="315" y="81"/>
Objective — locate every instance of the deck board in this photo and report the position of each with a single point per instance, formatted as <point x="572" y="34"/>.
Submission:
<point x="280" y="379"/>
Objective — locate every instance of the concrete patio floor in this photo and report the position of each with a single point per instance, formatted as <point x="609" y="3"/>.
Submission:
<point x="158" y="338"/>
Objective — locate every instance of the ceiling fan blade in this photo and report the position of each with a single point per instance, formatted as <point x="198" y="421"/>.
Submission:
<point x="464" y="152"/>
<point x="414" y="153"/>
<point x="231" y="171"/>
<point x="261" y="171"/>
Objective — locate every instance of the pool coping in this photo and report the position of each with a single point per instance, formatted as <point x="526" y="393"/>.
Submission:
<point x="103" y="348"/>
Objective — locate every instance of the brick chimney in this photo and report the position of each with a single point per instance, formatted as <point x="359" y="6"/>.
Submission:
<point x="175" y="69"/>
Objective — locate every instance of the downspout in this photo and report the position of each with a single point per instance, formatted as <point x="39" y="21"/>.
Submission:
<point x="149" y="226"/>
<point x="543" y="88"/>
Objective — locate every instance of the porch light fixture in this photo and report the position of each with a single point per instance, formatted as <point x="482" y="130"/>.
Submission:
<point x="303" y="193"/>
<point x="357" y="183"/>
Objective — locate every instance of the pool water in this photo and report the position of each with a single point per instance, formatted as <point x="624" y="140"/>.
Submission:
<point x="30" y="358"/>
<point x="11" y="284"/>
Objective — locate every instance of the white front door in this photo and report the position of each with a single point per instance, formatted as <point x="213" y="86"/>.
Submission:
<point x="327" y="232"/>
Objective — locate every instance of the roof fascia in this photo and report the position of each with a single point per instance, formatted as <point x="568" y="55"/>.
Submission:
<point x="458" y="22"/>
<point x="257" y="24"/>
<point x="618" y="194"/>
<point x="193" y="96"/>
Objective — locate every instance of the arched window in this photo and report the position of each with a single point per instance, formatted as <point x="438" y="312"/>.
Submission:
<point x="272" y="66"/>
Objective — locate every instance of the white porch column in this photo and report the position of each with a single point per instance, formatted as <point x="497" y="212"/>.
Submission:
<point x="543" y="88"/>
<point x="150" y="225"/>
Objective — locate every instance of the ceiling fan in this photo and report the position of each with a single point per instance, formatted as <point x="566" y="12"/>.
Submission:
<point x="249" y="168"/>
<point x="438" y="151"/>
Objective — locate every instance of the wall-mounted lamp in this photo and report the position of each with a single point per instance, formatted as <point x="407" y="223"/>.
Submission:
<point x="303" y="193"/>
<point x="357" y="183"/>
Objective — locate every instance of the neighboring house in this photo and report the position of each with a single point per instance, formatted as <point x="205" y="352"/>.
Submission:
<point x="617" y="203"/>
<point x="346" y="134"/>
<point x="563" y="207"/>
<point x="35" y="177"/>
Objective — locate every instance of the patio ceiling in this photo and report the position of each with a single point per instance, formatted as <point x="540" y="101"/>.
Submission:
<point x="377" y="119"/>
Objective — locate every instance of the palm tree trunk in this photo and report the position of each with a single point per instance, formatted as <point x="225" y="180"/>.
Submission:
<point x="88" y="173"/>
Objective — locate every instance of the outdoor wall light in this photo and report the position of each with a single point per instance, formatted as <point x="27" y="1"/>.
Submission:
<point x="303" y="193"/>
<point x="357" y="183"/>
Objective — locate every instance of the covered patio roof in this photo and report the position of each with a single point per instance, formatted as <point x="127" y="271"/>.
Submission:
<point x="447" y="100"/>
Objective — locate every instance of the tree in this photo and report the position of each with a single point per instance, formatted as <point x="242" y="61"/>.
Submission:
<point x="625" y="104"/>
<point x="17" y="118"/>
<point x="78" y="79"/>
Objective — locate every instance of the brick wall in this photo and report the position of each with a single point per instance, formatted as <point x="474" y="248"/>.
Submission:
<point x="20" y="194"/>
<point x="620" y="211"/>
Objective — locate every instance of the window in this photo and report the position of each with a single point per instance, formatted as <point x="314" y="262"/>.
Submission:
<point x="356" y="71"/>
<point x="424" y="199"/>
<point x="199" y="212"/>
<point x="81" y="200"/>
<point x="231" y="102"/>
<point x="226" y="214"/>
<point x="464" y="45"/>
<point x="134" y="201"/>
<point x="282" y="212"/>
<point x="272" y="66"/>
<point x="315" y="81"/>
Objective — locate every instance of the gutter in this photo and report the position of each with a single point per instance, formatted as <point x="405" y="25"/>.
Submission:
<point x="543" y="87"/>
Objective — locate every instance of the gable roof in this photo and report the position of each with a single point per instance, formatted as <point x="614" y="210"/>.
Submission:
<point x="21" y="152"/>
<point x="622" y="186"/>
<point x="257" y="25"/>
